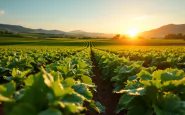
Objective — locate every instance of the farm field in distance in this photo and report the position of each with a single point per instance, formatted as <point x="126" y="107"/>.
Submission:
<point x="67" y="76"/>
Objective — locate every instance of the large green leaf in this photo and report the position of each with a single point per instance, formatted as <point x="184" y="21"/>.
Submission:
<point x="22" y="109"/>
<point x="123" y="102"/>
<point x="69" y="82"/>
<point x="97" y="107"/>
<point x="83" y="91"/>
<point x="29" y="80"/>
<point x="126" y="69"/>
<point x="6" y="90"/>
<point x="50" y="111"/>
<point x="5" y="99"/>
<point x="138" y="91"/>
<point x="138" y="107"/>
<point x="86" y="79"/>
<point x="72" y="98"/>
<point x="57" y="89"/>
<point x="170" y="104"/>
<point x="144" y="75"/>
<point x="82" y="65"/>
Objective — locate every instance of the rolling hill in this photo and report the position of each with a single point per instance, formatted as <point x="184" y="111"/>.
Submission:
<point x="164" y="30"/>
<point x="77" y="33"/>
<point x="21" y="29"/>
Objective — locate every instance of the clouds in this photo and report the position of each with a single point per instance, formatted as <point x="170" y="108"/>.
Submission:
<point x="2" y="12"/>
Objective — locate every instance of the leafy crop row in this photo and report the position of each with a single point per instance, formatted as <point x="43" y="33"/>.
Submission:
<point x="29" y="60"/>
<point x="63" y="87"/>
<point x="161" y="58"/>
<point x="145" y="91"/>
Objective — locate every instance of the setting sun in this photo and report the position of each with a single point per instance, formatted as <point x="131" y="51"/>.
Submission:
<point x="132" y="32"/>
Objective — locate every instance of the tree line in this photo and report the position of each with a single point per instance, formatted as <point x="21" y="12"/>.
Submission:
<point x="168" y="36"/>
<point x="175" y="36"/>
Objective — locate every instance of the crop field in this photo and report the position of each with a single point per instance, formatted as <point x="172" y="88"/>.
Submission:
<point x="62" y="76"/>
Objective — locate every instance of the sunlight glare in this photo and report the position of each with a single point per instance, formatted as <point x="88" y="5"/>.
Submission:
<point x="132" y="32"/>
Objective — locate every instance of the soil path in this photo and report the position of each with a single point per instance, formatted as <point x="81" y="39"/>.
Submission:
<point x="1" y="109"/>
<point x="104" y="92"/>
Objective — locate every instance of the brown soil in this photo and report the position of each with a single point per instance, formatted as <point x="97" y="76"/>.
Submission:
<point x="104" y="93"/>
<point x="1" y="109"/>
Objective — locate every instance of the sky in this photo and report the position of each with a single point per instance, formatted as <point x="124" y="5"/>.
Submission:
<point x="107" y="16"/>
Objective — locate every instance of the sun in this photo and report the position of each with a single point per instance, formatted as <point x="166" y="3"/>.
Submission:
<point x="132" y="32"/>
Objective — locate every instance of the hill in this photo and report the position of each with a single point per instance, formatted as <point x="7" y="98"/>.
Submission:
<point x="75" y="33"/>
<point x="21" y="29"/>
<point x="164" y="30"/>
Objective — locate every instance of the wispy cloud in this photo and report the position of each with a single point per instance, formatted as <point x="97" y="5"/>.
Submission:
<point x="140" y="18"/>
<point x="1" y="12"/>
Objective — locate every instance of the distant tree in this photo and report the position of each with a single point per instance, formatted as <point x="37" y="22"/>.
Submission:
<point x="170" y="36"/>
<point x="123" y="37"/>
<point x="8" y="32"/>
<point x="175" y="36"/>
<point x="117" y="36"/>
<point x="180" y="36"/>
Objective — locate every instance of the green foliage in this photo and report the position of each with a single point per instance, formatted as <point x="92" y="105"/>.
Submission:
<point x="144" y="90"/>
<point x="161" y="91"/>
<point x="61" y="88"/>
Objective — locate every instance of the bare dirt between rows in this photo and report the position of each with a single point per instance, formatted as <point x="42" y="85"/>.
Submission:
<point x="1" y="109"/>
<point x="104" y="92"/>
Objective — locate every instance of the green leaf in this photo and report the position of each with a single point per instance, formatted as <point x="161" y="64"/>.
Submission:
<point x="9" y="78"/>
<point x="7" y="89"/>
<point x="115" y="78"/>
<point x="24" y="73"/>
<point x="123" y="101"/>
<point x="97" y="107"/>
<point x="139" y="62"/>
<point x="83" y="91"/>
<point x="131" y="78"/>
<point x="171" y="104"/>
<point x="144" y="75"/>
<point x="5" y="99"/>
<point x="126" y="69"/>
<point x="82" y="65"/>
<point x="29" y="80"/>
<point x="156" y="109"/>
<point x="70" y="74"/>
<point x="151" y="93"/>
<point x="166" y="76"/>
<point x="133" y="88"/>
<point x="50" y="111"/>
<point x="48" y="78"/>
<point x="86" y="79"/>
<point x="22" y="109"/>
<point x="72" y="108"/>
<point x="69" y="82"/>
<point x="63" y="69"/>
<point x="139" y="108"/>
<point x="138" y="91"/>
<point x="14" y="72"/>
<point x="151" y="69"/>
<point x="72" y="98"/>
<point x="80" y="71"/>
<point x="57" y="88"/>
<point x="157" y="74"/>
<point x="100" y="108"/>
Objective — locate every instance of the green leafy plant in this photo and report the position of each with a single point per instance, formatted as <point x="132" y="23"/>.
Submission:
<point x="161" y="92"/>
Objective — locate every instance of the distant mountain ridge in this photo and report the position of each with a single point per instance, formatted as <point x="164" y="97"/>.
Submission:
<point x="158" y="32"/>
<point x="21" y="29"/>
<point x="164" y="30"/>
